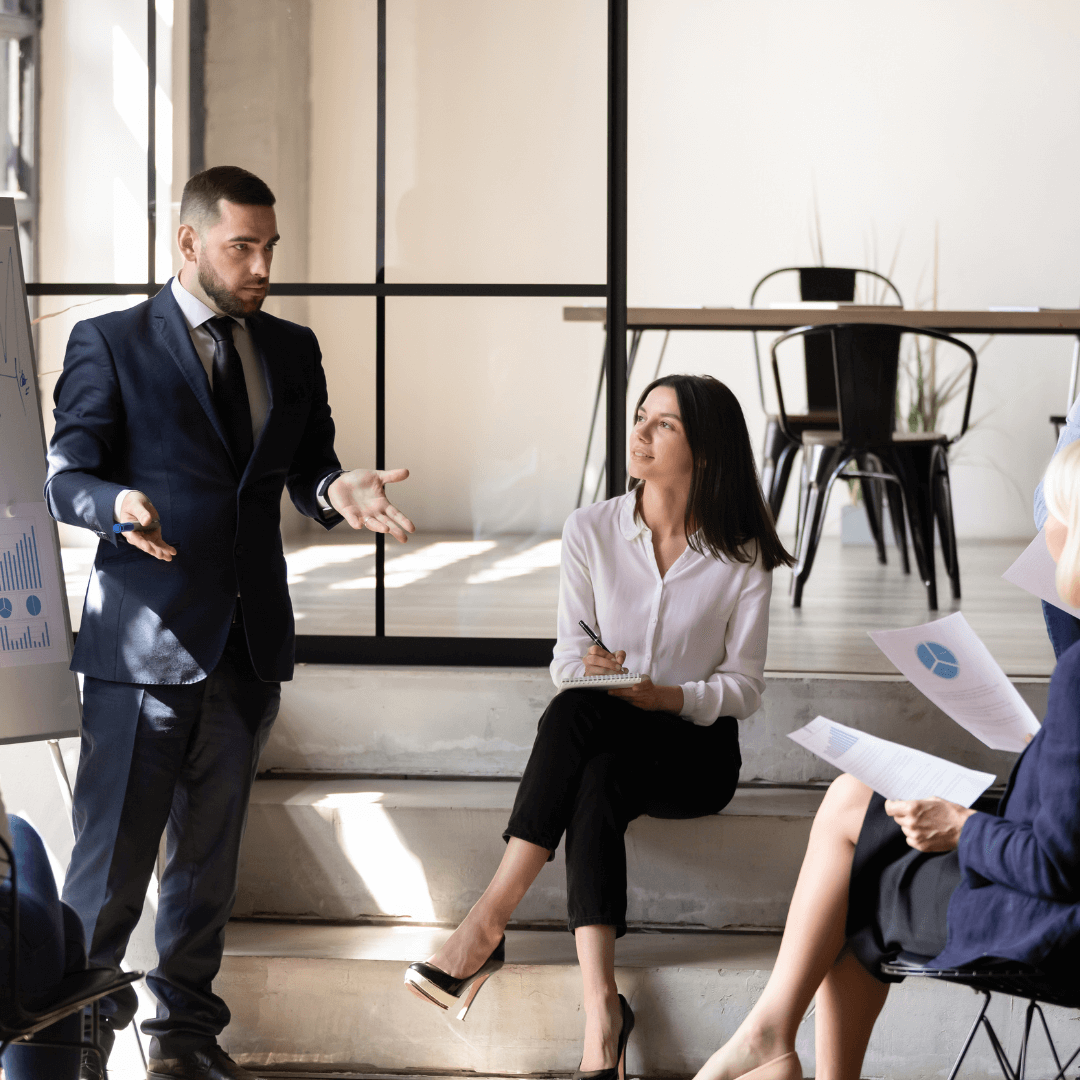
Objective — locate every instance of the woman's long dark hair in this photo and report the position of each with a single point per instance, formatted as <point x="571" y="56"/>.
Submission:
<point x="726" y="515"/>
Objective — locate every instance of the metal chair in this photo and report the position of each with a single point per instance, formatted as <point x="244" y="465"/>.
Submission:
<point x="913" y="466"/>
<point x="823" y="283"/>
<point x="990" y="977"/>
<point x="23" y="1016"/>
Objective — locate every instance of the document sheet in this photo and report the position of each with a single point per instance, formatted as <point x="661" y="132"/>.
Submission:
<point x="954" y="669"/>
<point x="892" y="770"/>
<point x="1034" y="573"/>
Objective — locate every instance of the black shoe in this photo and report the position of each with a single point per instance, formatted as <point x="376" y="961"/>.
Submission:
<point x="619" y="1071"/>
<point x="206" y="1063"/>
<point x="434" y="985"/>
<point x="91" y="1065"/>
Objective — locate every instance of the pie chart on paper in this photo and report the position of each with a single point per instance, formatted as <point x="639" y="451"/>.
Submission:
<point x="5" y="608"/>
<point x="938" y="660"/>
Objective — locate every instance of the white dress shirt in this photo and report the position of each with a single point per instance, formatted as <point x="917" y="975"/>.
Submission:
<point x="196" y="315"/>
<point x="704" y="626"/>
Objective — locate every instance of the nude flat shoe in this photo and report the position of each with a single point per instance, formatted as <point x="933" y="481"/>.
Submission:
<point x="786" y="1067"/>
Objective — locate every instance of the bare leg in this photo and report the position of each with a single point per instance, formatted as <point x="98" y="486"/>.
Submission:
<point x="475" y="939"/>
<point x="848" y="1002"/>
<point x="603" y="1017"/>
<point x="813" y="937"/>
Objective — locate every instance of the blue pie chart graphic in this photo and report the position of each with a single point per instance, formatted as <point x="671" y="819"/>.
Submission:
<point x="5" y="608"/>
<point x="938" y="660"/>
<point x="33" y="605"/>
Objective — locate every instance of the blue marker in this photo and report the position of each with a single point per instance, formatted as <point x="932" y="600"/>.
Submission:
<point x="134" y="526"/>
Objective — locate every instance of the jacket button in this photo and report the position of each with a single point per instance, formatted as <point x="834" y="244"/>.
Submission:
<point x="238" y="550"/>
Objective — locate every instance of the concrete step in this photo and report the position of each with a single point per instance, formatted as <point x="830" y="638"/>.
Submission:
<point x="443" y="721"/>
<point x="424" y="850"/>
<point x="330" y="998"/>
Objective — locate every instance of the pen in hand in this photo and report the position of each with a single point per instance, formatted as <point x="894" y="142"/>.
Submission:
<point x="588" y="630"/>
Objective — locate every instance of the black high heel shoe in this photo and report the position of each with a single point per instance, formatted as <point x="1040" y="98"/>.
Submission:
<point x="619" y="1071"/>
<point x="435" y="985"/>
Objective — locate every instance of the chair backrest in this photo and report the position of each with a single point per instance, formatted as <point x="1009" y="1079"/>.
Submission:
<point x="825" y="283"/>
<point x="866" y="364"/>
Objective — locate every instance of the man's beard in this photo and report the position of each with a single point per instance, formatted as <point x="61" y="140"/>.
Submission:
<point x="227" y="302"/>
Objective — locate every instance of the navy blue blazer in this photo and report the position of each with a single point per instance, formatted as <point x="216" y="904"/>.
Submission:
<point x="134" y="410"/>
<point x="1019" y="895"/>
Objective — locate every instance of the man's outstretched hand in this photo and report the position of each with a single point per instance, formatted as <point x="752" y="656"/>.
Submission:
<point x="137" y="507"/>
<point x="360" y="498"/>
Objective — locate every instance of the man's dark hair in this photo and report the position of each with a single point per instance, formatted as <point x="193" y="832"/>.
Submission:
<point x="726" y="514"/>
<point x="200" y="204"/>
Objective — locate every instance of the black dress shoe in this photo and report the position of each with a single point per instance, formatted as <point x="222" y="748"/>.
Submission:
<point x="207" y="1063"/>
<point x="91" y="1065"/>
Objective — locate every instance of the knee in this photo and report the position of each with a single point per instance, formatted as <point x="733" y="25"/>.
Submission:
<point x="845" y="803"/>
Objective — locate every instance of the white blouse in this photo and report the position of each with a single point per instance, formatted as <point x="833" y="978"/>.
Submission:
<point x="704" y="626"/>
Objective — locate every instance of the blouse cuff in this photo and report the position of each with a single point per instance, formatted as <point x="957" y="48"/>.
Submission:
<point x="691" y="699"/>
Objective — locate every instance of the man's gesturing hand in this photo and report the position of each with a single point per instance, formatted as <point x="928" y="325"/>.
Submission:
<point x="929" y="824"/>
<point x="137" y="507"/>
<point x="360" y="498"/>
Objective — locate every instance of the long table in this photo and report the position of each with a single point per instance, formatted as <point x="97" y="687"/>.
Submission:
<point x="1061" y="322"/>
<point x="1055" y="322"/>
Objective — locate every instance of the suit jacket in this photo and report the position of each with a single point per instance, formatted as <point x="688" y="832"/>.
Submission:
<point x="1019" y="896"/>
<point x="134" y="410"/>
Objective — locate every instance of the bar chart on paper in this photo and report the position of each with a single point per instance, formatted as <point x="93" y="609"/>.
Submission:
<point x="30" y="619"/>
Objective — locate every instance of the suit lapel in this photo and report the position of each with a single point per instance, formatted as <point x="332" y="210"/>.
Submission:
<point x="172" y="329"/>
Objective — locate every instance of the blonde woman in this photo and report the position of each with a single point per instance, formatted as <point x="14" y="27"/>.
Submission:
<point x="928" y="876"/>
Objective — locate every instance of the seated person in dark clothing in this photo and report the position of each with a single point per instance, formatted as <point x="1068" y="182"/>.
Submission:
<point x="50" y="946"/>
<point x="928" y="876"/>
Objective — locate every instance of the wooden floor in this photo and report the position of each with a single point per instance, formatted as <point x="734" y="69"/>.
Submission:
<point x="452" y="585"/>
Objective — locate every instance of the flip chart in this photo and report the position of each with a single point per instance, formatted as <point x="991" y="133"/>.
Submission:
<point x="892" y="770"/>
<point x="948" y="663"/>
<point x="1034" y="573"/>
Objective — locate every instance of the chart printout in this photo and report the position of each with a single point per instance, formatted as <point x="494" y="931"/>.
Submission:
<point x="892" y="770"/>
<point x="954" y="669"/>
<point x="32" y="627"/>
<point x="1034" y="573"/>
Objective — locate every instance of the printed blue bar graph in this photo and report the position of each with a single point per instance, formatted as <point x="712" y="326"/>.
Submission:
<point x="30" y="638"/>
<point x="20" y="567"/>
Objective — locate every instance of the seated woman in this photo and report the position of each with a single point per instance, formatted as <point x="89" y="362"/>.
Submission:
<point x="675" y="576"/>
<point x="927" y="876"/>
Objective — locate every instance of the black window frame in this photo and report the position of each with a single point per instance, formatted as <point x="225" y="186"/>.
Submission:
<point x="381" y="648"/>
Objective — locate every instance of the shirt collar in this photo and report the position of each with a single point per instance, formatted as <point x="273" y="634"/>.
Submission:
<point x="631" y="525"/>
<point x="195" y="312"/>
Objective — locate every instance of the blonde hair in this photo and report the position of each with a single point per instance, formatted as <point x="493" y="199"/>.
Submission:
<point x="1061" y="490"/>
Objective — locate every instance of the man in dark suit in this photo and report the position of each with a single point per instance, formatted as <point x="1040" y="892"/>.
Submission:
<point x="187" y="415"/>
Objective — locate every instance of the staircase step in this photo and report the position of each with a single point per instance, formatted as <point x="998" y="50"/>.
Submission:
<point x="424" y="850"/>
<point x="446" y="721"/>
<point x="332" y="996"/>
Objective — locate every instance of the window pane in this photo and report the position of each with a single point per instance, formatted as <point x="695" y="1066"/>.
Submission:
<point x="331" y="573"/>
<point x="496" y="140"/>
<point x="488" y="405"/>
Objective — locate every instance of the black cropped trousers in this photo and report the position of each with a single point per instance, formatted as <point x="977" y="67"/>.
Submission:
<point x="598" y="763"/>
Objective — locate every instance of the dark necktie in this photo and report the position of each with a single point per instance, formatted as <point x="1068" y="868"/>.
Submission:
<point x="230" y="390"/>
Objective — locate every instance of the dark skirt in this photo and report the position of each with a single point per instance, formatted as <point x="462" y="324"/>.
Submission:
<point x="899" y="897"/>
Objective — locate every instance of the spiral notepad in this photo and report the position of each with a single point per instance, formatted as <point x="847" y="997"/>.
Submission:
<point x="602" y="682"/>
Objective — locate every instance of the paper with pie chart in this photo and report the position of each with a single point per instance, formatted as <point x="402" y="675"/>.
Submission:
<point x="892" y="770"/>
<point x="32" y="628"/>
<point x="948" y="662"/>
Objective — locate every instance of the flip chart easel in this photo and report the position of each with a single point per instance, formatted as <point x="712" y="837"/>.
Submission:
<point x="39" y="696"/>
